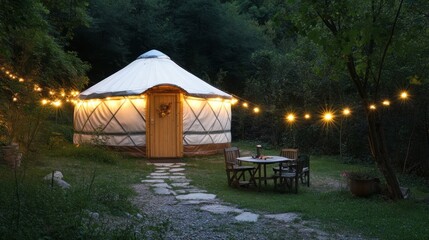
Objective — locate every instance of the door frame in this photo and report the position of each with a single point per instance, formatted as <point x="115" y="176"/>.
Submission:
<point x="153" y="116"/>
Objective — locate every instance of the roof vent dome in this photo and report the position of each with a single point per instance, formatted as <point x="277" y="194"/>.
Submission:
<point x="153" y="54"/>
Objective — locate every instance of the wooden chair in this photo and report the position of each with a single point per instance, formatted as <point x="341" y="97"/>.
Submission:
<point x="288" y="178"/>
<point x="291" y="153"/>
<point x="305" y="173"/>
<point x="236" y="173"/>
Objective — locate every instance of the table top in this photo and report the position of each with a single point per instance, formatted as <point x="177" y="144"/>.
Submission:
<point x="269" y="159"/>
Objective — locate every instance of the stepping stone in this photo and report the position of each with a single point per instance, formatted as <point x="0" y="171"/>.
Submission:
<point x="152" y="181"/>
<point x="178" y="174"/>
<point x="180" y="180"/>
<point x="220" y="209"/>
<point x="180" y="184"/>
<point x="163" y="164"/>
<point x="159" y="174"/>
<point x="177" y="177"/>
<point x="194" y="202"/>
<point x="177" y="169"/>
<point x="162" y="191"/>
<point x="196" y="196"/>
<point x="162" y="168"/>
<point x="159" y="177"/>
<point x="184" y="191"/>
<point x="166" y="177"/>
<point x="179" y="164"/>
<point x="160" y="171"/>
<point x="161" y="185"/>
<point x="283" y="217"/>
<point x="247" y="217"/>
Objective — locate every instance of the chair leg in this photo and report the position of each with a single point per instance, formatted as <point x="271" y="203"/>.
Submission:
<point x="251" y="177"/>
<point x="308" y="179"/>
<point x="228" y="175"/>
<point x="235" y="179"/>
<point x="296" y="184"/>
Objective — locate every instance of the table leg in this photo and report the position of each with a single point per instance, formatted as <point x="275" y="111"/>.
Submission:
<point x="265" y="174"/>
<point x="259" y="177"/>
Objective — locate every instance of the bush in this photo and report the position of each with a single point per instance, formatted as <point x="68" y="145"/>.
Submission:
<point x="90" y="153"/>
<point x="31" y="208"/>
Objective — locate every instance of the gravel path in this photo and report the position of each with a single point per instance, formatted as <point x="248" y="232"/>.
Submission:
<point x="192" y="213"/>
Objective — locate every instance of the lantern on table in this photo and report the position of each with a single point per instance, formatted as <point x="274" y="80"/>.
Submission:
<point x="258" y="150"/>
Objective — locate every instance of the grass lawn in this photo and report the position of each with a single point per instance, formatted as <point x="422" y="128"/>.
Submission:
<point x="101" y="182"/>
<point x="327" y="200"/>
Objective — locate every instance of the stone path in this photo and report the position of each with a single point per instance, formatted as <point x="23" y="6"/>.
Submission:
<point x="195" y="214"/>
<point x="180" y="187"/>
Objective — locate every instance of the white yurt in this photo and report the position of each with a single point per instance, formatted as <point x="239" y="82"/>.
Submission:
<point x="154" y="108"/>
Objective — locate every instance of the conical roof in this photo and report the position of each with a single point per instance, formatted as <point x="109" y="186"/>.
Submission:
<point x="151" y="69"/>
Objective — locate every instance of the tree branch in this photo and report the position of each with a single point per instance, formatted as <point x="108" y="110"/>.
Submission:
<point x="355" y="77"/>
<point x="389" y="41"/>
<point x="328" y="23"/>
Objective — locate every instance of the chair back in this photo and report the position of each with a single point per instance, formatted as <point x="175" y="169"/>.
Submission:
<point x="231" y="154"/>
<point x="299" y="166"/>
<point x="291" y="153"/>
<point x="305" y="160"/>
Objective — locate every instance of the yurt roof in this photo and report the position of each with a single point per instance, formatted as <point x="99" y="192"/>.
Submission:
<point x="149" y="70"/>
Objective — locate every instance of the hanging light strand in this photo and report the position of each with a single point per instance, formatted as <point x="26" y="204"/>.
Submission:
<point x="56" y="96"/>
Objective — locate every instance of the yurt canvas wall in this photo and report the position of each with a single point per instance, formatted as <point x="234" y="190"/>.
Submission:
<point x="176" y="114"/>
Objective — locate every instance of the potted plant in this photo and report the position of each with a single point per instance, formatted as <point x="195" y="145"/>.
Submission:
<point x="362" y="184"/>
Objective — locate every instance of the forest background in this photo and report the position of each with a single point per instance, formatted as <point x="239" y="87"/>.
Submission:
<point x="278" y="55"/>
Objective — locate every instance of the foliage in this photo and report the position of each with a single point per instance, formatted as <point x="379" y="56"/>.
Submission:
<point x="95" y="207"/>
<point x="33" y="39"/>
<point x="207" y="38"/>
<point x="91" y="153"/>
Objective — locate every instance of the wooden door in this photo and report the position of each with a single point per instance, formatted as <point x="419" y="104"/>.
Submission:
<point x="165" y="126"/>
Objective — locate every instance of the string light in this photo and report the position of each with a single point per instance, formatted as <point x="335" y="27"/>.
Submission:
<point x="386" y="103"/>
<point x="256" y="110"/>
<point x="307" y="116"/>
<point x="328" y="117"/>
<point x="290" y="118"/>
<point x="36" y="87"/>
<point x="57" y="103"/>
<point x="346" y="112"/>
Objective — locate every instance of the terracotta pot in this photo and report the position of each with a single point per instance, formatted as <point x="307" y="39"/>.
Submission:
<point x="362" y="187"/>
<point x="10" y="155"/>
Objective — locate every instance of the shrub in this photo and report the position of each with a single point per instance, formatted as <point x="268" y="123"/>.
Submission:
<point x="90" y="153"/>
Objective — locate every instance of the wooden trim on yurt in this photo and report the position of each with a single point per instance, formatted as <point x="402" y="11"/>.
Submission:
<point x="204" y="149"/>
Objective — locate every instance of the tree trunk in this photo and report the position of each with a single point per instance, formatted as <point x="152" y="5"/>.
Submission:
<point x="377" y="140"/>
<point x="379" y="152"/>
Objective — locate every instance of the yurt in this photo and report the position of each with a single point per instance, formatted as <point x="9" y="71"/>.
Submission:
<point x="154" y="108"/>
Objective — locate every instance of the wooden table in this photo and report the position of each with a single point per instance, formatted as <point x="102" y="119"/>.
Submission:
<point x="263" y="162"/>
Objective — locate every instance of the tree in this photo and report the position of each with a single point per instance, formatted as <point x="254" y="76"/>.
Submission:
<point x="361" y="36"/>
<point x="33" y="39"/>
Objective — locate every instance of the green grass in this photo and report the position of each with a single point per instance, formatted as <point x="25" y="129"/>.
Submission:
<point x="326" y="201"/>
<point x="101" y="182"/>
<point x="30" y="208"/>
